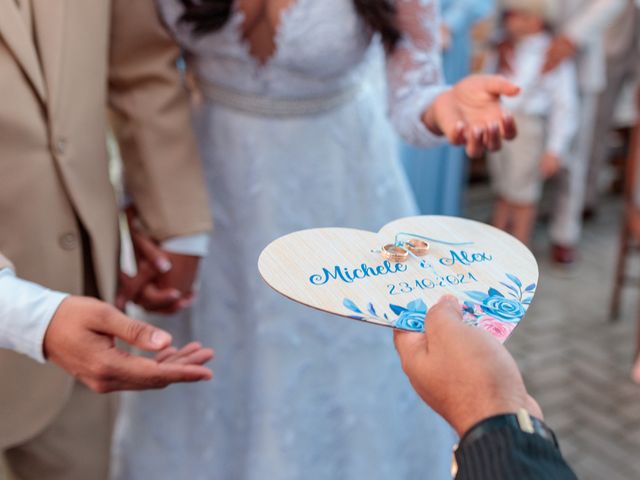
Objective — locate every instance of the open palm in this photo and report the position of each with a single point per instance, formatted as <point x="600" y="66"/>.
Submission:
<point x="472" y="115"/>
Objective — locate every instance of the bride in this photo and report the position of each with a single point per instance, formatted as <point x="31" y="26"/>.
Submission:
<point x="294" y="133"/>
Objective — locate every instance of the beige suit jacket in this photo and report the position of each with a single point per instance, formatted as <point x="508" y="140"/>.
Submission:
<point x="54" y="91"/>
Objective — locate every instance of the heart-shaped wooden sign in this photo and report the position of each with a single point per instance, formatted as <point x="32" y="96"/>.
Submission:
<point x="349" y="273"/>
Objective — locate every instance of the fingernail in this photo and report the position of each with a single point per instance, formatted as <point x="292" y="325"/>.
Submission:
<point x="175" y="294"/>
<point x="449" y="299"/>
<point x="477" y="133"/>
<point x="160" y="338"/>
<point x="163" y="264"/>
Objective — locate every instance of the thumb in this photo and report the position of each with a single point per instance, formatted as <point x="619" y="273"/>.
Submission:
<point x="443" y="317"/>
<point x="136" y="333"/>
<point x="497" y="85"/>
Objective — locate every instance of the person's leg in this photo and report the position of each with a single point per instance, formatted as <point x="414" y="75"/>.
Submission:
<point x="501" y="214"/>
<point x="523" y="221"/>
<point x="566" y="223"/>
<point x="76" y="446"/>
<point x="618" y="71"/>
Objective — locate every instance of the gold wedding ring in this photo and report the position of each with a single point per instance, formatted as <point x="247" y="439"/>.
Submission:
<point x="418" y="247"/>
<point x="395" y="253"/>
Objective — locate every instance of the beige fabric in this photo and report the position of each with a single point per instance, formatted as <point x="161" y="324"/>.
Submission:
<point x="543" y="8"/>
<point x="53" y="161"/>
<point x="73" y="446"/>
<point x="515" y="169"/>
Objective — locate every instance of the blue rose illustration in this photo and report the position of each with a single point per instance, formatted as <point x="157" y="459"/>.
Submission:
<point x="502" y="308"/>
<point x="412" y="317"/>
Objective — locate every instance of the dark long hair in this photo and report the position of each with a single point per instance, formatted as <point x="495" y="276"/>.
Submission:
<point x="207" y="16"/>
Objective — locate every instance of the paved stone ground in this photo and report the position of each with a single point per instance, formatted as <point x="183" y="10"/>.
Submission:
<point x="576" y="363"/>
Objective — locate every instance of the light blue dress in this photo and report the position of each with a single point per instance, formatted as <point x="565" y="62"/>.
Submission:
<point x="437" y="175"/>
<point x="302" y="141"/>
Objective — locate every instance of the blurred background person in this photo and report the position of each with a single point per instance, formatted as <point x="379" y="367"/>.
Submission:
<point x="437" y="175"/>
<point x="622" y="48"/>
<point x="294" y="137"/>
<point x="580" y="34"/>
<point x="546" y="112"/>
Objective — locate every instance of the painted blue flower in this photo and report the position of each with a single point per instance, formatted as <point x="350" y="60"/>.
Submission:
<point x="502" y="308"/>
<point x="412" y="317"/>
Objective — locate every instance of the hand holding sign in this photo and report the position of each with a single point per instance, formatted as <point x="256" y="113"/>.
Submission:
<point x="345" y="272"/>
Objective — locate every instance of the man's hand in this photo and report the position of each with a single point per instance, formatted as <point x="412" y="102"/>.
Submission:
<point x="81" y="339"/>
<point x="550" y="165"/>
<point x="164" y="281"/>
<point x="462" y="372"/>
<point x="562" y="48"/>
<point x="471" y="114"/>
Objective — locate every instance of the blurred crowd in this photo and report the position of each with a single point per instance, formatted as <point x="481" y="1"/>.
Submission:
<point x="578" y="65"/>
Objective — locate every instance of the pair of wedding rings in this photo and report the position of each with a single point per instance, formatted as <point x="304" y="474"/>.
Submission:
<point x="400" y="253"/>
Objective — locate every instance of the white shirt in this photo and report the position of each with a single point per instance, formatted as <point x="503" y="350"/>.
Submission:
<point x="26" y="309"/>
<point x="586" y="22"/>
<point x="553" y="95"/>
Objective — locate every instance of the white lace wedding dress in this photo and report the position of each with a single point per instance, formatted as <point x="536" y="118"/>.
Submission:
<point x="302" y="141"/>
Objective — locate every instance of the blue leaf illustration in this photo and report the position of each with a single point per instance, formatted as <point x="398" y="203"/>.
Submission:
<point x="397" y="309"/>
<point x="527" y="301"/>
<point x="478" y="296"/>
<point x="510" y="287"/>
<point x="351" y="306"/>
<point x="530" y="288"/>
<point x="417" y="306"/>
<point x="495" y="293"/>
<point x="372" y="310"/>
<point x="386" y="317"/>
<point x="515" y="280"/>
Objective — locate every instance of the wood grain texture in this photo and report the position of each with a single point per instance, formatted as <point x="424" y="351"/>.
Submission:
<point x="494" y="264"/>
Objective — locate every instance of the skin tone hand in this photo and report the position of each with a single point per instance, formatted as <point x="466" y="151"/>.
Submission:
<point x="505" y="57"/>
<point x="562" y="48"/>
<point x="445" y="37"/>
<point x="470" y="114"/>
<point x="164" y="280"/>
<point x="460" y="371"/>
<point x="81" y="339"/>
<point x="550" y="165"/>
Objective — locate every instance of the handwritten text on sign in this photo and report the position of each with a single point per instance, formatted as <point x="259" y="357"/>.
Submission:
<point x="436" y="279"/>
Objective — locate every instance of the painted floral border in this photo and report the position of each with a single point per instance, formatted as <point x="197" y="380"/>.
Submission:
<point x="495" y="311"/>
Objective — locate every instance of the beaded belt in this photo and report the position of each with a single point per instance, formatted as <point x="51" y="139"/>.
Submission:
<point x="276" y="107"/>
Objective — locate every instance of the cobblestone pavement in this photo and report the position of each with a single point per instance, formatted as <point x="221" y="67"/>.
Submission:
<point x="576" y="363"/>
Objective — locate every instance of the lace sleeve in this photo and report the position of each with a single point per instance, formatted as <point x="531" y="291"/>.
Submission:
<point x="414" y="70"/>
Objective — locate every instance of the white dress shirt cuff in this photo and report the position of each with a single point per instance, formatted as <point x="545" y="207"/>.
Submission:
<point x="196" y="245"/>
<point x="26" y="309"/>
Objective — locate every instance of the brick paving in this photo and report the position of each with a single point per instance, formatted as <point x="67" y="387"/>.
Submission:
<point x="575" y="362"/>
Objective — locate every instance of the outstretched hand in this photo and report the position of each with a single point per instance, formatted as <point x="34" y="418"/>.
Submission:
<point x="81" y="339"/>
<point x="462" y="372"/>
<point x="472" y="115"/>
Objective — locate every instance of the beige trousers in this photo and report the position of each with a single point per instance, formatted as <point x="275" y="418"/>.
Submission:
<point x="76" y="445"/>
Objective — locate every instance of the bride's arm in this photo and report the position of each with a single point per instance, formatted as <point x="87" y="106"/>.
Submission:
<point x="422" y="108"/>
<point x="414" y="71"/>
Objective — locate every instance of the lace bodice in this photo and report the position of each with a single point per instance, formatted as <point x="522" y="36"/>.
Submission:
<point x="322" y="47"/>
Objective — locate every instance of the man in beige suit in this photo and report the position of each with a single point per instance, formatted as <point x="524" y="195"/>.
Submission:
<point x="61" y="63"/>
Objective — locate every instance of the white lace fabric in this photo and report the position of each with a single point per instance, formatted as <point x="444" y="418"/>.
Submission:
<point x="297" y="393"/>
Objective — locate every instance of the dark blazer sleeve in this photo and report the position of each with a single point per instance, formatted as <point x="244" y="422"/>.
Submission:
<point x="511" y="454"/>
